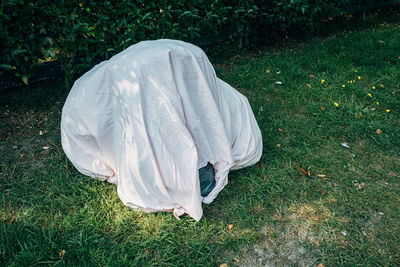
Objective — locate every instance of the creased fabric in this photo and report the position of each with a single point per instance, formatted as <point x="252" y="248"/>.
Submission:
<point x="148" y="118"/>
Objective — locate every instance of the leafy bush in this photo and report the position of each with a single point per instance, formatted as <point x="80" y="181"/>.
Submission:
<point x="33" y="31"/>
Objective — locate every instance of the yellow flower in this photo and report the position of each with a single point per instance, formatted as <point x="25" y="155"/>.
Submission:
<point x="343" y="85"/>
<point x="359" y="77"/>
<point x="369" y="94"/>
<point x="336" y="104"/>
<point x="351" y="81"/>
<point x="322" y="81"/>
<point x="354" y="81"/>
<point x="388" y="110"/>
<point x="355" y="70"/>
<point x="377" y="103"/>
<point x="373" y="87"/>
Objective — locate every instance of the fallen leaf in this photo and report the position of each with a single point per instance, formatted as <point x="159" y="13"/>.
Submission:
<point x="315" y="218"/>
<point x="379" y="131"/>
<point x="12" y="219"/>
<point x="40" y="133"/>
<point x="345" y="145"/>
<point x="301" y="170"/>
<point x="3" y="136"/>
<point x="320" y="265"/>
<point x="280" y="130"/>
<point x="311" y="75"/>
<point x="373" y="109"/>
<point x="278" y="145"/>
<point x="223" y="265"/>
<point x="361" y="115"/>
<point x="230" y="226"/>
<point x="258" y="166"/>
<point x="236" y="260"/>
<point x="267" y="71"/>
<point x="62" y="253"/>
<point x="358" y="185"/>
<point x="308" y="85"/>
<point x="381" y="85"/>
<point x="323" y="108"/>
<point x="321" y="175"/>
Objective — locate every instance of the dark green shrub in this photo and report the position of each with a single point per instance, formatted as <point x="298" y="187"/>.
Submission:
<point x="33" y="31"/>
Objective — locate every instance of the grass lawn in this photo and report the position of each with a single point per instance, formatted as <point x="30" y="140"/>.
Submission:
<point x="311" y="200"/>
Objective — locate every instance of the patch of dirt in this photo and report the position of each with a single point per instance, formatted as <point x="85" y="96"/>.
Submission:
<point x="27" y="137"/>
<point x="291" y="243"/>
<point x="374" y="221"/>
<point x="287" y="249"/>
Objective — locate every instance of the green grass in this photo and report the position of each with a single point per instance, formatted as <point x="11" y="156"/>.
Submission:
<point x="280" y="216"/>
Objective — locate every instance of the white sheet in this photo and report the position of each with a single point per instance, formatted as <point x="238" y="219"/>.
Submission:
<point x="150" y="117"/>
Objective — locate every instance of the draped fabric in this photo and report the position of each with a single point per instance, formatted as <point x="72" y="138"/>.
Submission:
<point x="150" y="117"/>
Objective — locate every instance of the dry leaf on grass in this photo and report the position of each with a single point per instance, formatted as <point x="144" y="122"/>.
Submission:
<point x="230" y="226"/>
<point x="379" y="131"/>
<point x="3" y="136"/>
<point x="311" y="75"/>
<point x="321" y="175"/>
<point x="358" y="185"/>
<point x="302" y="171"/>
<point x="345" y="145"/>
<point x="223" y="265"/>
<point x="315" y="218"/>
<point x="62" y="253"/>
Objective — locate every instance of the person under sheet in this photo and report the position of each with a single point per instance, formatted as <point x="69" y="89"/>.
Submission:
<point x="149" y="118"/>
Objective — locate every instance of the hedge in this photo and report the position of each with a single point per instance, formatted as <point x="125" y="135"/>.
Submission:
<point x="36" y="31"/>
